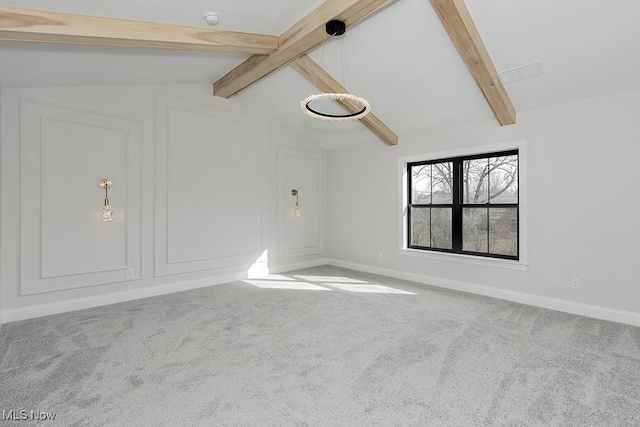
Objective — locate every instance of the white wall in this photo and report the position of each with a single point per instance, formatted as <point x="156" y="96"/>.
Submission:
<point x="203" y="185"/>
<point x="1" y="249"/>
<point x="583" y="207"/>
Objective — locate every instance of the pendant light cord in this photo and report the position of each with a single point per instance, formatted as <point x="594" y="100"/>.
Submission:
<point x="315" y="80"/>
<point x="342" y="62"/>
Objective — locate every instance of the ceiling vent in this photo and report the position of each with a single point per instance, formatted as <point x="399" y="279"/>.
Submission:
<point x="521" y="73"/>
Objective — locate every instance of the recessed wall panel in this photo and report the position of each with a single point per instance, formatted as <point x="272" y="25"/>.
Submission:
<point x="301" y="230"/>
<point x="300" y="170"/>
<point x="214" y="200"/>
<point x="73" y="156"/>
<point x="64" y="155"/>
<point x="211" y="187"/>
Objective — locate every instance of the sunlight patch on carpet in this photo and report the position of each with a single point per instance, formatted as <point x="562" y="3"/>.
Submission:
<point x="373" y="289"/>
<point x="330" y="279"/>
<point x="273" y="284"/>
<point x="278" y="277"/>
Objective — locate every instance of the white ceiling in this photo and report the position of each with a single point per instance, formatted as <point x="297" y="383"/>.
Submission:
<point x="254" y="16"/>
<point x="401" y="59"/>
<point x="586" y="47"/>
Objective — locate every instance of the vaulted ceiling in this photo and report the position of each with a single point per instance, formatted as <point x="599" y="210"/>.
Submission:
<point x="401" y="59"/>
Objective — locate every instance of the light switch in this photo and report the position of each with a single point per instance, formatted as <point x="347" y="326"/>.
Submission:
<point x="120" y="217"/>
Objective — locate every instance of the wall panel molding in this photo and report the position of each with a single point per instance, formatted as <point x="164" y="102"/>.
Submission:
<point x="301" y="170"/>
<point x="219" y="155"/>
<point x="63" y="243"/>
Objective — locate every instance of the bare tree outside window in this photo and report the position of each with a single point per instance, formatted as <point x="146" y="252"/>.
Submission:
<point x="487" y="205"/>
<point x="432" y="184"/>
<point x="492" y="180"/>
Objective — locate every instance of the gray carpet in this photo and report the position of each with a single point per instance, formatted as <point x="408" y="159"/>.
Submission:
<point x="322" y="347"/>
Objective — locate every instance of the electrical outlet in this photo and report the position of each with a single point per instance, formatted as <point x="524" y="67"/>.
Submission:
<point x="380" y="255"/>
<point x="130" y="273"/>
<point x="575" y="282"/>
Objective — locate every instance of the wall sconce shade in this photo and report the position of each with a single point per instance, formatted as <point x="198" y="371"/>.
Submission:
<point x="296" y="210"/>
<point x="107" y="214"/>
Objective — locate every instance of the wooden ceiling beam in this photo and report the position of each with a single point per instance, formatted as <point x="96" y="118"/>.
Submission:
<point x="26" y="25"/>
<point x="464" y="34"/>
<point x="297" y="40"/>
<point x="326" y="83"/>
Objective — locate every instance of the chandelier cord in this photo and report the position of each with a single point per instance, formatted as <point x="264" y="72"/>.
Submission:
<point x="342" y="62"/>
<point x="315" y="80"/>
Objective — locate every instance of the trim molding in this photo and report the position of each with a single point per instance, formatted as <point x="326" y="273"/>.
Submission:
<point x="164" y="106"/>
<point x="597" y="312"/>
<point x="287" y="180"/>
<point x="521" y="146"/>
<point x="41" y="310"/>
<point x="33" y="116"/>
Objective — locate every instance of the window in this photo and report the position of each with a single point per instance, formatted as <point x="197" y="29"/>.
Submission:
<point x="467" y="205"/>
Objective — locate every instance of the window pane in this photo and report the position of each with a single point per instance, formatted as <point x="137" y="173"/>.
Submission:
<point x="475" y="174"/>
<point x="421" y="184"/>
<point x="503" y="179"/>
<point x="474" y="230"/>
<point x="441" y="228"/>
<point x="503" y="231"/>
<point x="442" y="179"/>
<point x="420" y="227"/>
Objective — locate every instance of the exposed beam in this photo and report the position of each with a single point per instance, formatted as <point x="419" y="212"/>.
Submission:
<point x="323" y="81"/>
<point x="464" y="34"/>
<point x="297" y="40"/>
<point x="63" y="28"/>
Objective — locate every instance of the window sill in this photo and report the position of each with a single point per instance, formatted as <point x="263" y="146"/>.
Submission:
<point x="467" y="259"/>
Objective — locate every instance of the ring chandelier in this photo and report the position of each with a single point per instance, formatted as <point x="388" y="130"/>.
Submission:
<point x="335" y="28"/>
<point x="366" y="107"/>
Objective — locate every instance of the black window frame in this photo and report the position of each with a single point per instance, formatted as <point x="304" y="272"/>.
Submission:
<point x="457" y="204"/>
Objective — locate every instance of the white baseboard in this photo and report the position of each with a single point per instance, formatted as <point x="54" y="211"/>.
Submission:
<point x="594" y="311"/>
<point x="597" y="312"/>
<point x="40" y="310"/>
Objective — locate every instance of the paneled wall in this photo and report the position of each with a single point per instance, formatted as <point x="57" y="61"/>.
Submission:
<point x="196" y="182"/>
<point x="200" y="195"/>
<point x="64" y="154"/>
<point x="300" y="170"/>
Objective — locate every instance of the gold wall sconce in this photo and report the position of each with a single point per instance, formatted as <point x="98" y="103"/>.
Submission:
<point x="107" y="214"/>
<point x="296" y="210"/>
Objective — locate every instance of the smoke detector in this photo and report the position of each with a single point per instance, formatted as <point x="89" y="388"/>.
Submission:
<point x="211" y="18"/>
